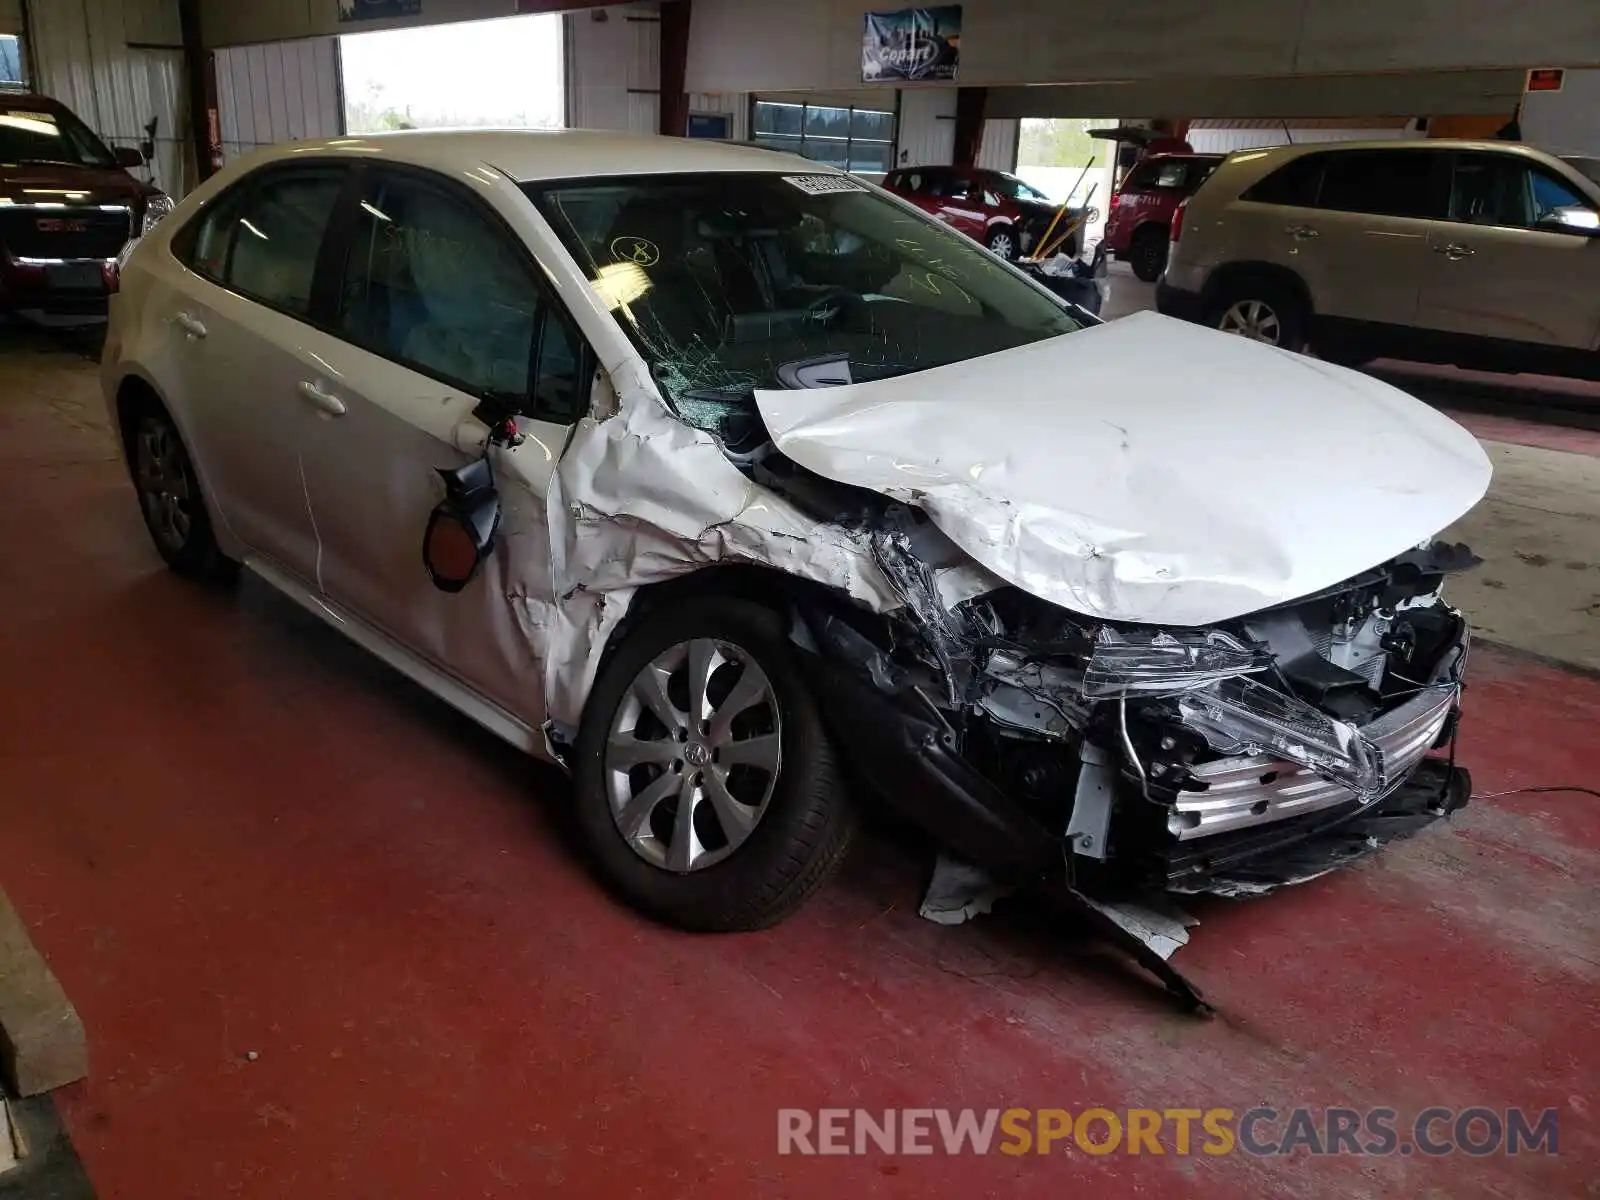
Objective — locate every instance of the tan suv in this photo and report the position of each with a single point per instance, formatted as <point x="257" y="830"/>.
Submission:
<point x="1482" y="254"/>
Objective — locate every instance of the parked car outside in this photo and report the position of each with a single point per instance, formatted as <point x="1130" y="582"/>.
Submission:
<point x="68" y="208"/>
<point x="1140" y="215"/>
<point x="991" y="207"/>
<point x="723" y="478"/>
<point x="1481" y="254"/>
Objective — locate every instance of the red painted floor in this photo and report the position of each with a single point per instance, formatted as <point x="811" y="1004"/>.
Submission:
<point x="231" y="833"/>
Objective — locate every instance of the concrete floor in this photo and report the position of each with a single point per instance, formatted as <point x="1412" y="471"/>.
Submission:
<point x="329" y="939"/>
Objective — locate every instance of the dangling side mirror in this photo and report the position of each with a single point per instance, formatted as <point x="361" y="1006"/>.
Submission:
<point x="461" y="527"/>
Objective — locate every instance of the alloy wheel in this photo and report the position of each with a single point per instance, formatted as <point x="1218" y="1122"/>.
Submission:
<point x="1002" y="244"/>
<point x="166" y="488"/>
<point x="692" y="754"/>
<point x="1253" y="319"/>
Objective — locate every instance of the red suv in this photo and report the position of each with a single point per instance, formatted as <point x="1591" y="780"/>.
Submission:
<point x="68" y="207"/>
<point x="1141" y="209"/>
<point x="992" y="207"/>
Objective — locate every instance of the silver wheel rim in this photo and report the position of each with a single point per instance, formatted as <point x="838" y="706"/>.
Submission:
<point x="162" y="476"/>
<point x="693" y="755"/>
<point x="1253" y="319"/>
<point x="1000" y="243"/>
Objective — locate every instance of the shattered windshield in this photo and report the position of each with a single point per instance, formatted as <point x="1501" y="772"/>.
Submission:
<point x="732" y="282"/>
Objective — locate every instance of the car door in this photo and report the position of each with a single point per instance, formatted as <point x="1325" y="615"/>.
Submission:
<point x="961" y="205"/>
<point x="438" y="308"/>
<point x="1501" y="268"/>
<point x="241" y="315"/>
<point x="1362" y="246"/>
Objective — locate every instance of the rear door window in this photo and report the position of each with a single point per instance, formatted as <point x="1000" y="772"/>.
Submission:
<point x="1390" y="183"/>
<point x="263" y="240"/>
<point x="1294" y="185"/>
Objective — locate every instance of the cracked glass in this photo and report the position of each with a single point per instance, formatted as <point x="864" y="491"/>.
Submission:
<point x="732" y="282"/>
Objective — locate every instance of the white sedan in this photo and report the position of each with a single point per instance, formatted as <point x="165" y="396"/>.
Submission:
<point x="725" y="479"/>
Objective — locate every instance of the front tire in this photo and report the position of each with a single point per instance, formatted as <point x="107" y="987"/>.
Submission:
<point x="170" y="499"/>
<point x="705" y="707"/>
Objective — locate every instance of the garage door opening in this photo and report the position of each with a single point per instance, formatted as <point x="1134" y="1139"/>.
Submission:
<point x="501" y="72"/>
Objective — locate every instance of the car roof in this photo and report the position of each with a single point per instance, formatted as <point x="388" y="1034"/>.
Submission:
<point x="1495" y="146"/>
<point x="531" y="155"/>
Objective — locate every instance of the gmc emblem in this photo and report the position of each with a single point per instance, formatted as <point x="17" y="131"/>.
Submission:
<point x="62" y="225"/>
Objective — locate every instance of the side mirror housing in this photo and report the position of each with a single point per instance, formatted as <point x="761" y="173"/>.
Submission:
<point x="127" y="156"/>
<point x="1572" y="219"/>
<point x="461" y="528"/>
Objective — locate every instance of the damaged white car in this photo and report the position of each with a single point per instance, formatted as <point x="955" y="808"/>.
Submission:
<point x="748" y="491"/>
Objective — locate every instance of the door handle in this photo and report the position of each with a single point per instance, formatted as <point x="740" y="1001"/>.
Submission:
<point x="326" y="401"/>
<point x="189" y="325"/>
<point x="1302" y="233"/>
<point x="1454" y="251"/>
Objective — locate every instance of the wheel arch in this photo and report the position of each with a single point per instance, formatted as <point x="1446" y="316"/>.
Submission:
<point x="1230" y="275"/>
<point x="136" y="393"/>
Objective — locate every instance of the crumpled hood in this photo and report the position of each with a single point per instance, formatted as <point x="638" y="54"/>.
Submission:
<point x="1148" y="470"/>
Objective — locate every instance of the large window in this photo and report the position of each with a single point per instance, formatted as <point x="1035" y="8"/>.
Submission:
<point x="852" y="139"/>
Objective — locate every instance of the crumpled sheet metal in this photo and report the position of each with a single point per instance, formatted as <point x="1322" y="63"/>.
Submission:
<point x="641" y="497"/>
<point x="1147" y="469"/>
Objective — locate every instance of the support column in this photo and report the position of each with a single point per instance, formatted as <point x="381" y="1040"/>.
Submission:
<point x="200" y="77"/>
<point x="674" y="67"/>
<point x="970" y="103"/>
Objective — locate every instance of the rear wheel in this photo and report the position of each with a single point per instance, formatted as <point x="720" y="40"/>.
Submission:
<point x="1147" y="253"/>
<point x="707" y="789"/>
<point x="1261" y="310"/>
<point x="170" y="500"/>
<point x="1003" y="241"/>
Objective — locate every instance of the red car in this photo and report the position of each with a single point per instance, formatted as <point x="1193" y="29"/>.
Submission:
<point x="1139" y="226"/>
<point x="991" y="207"/>
<point x="67" y="208"/>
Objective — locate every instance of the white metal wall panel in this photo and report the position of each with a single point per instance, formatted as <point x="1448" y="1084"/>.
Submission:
<point x="1222" y="141"/>
<point x="998" y="149"/>
<point x="614" y="69"/>
<point x="278" y="92"/>
<point x="927" y="135"/>
<point x="84" y="60"/>
<point x="1568" y="119"/>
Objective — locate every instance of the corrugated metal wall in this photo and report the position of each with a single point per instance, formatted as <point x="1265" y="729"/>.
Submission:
<point x="278" y="92"/>
<point x="82" y="54"/>
<point x="614" y="69"/>
<point x="1213" y="137"/>
<point x="927" y="135"/>
<point x="998" y="148"/>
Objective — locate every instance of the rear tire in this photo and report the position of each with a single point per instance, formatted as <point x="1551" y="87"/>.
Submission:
<point x="642" y="751"/>
<point x="1261" y="309"/>
<point x="170" y="499"/>
<point x="1147" y="253"/>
